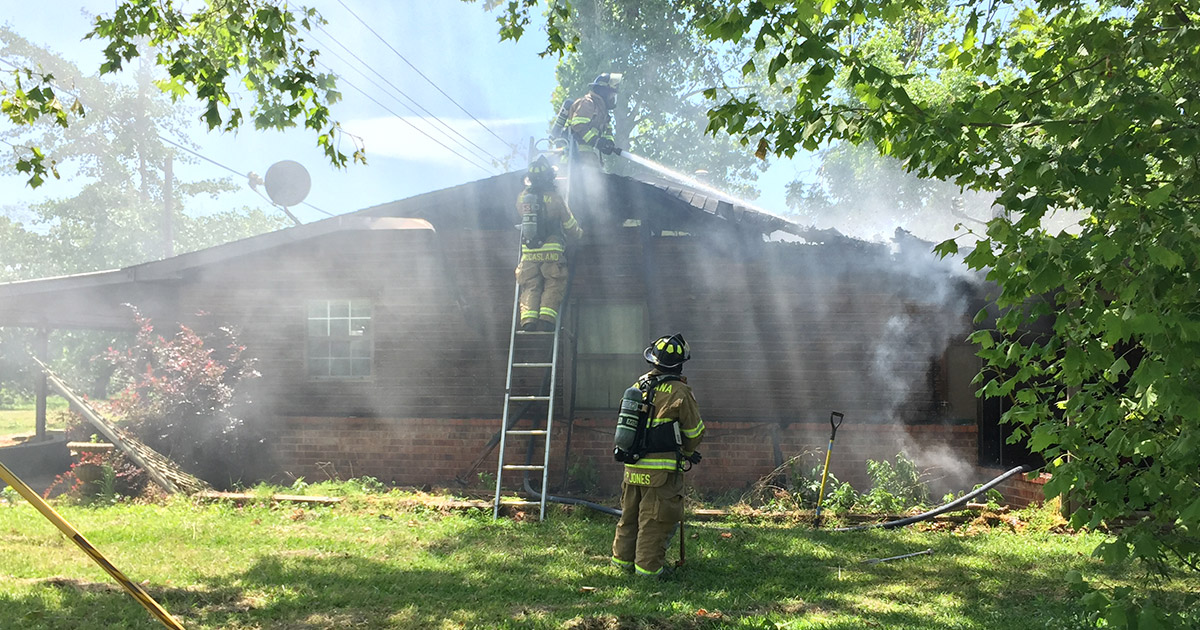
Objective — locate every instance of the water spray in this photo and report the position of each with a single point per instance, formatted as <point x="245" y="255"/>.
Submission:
<point x="690" y="181"/>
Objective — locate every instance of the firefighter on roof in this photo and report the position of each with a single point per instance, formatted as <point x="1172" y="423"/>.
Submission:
<point x="652" y="487"/>
<point x="588" y="122"/>
<point x="546" y="226"/>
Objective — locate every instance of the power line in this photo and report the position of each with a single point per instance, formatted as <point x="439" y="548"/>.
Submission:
<point x="422" y="74"/>
<point x="407" y="122"/>
<point x="486" y="154"/>
<point x="168" y="141"/>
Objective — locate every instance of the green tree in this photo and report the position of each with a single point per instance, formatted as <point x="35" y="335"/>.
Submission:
<point x="118" y="160"/>
<point x="114" y="216"/>
<point x="660" y="48"/>
<point x="1066" y="106"/>
<point x="215" y="54"/>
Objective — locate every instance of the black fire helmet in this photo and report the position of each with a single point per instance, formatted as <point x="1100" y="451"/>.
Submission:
<point x="668" y="352"/>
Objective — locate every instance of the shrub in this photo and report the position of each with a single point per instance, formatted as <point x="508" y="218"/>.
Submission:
<point x="99" y="478"/>
<point x="181" y="394"/>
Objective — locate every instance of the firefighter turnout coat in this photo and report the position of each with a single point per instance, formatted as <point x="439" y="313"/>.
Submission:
<point x="652" y="488"/>
<point x="588" y="122"/>
<point x="542" y="271"/>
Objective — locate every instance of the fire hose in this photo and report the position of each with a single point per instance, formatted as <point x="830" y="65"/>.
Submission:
<point x="949" y="507"/>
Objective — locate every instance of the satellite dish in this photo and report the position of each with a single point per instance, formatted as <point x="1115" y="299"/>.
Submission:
<point x="287" y="183"/>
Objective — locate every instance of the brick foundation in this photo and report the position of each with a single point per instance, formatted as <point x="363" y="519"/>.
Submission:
<point x="418" y="451"/>
<point x="1019" y="491"/>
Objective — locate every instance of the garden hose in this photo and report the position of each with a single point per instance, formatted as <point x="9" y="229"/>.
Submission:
<point x="70" y="532"/>
<point x="949" y="507"/>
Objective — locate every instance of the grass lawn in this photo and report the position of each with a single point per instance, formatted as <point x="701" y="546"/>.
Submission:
<point x="371" y="562"/>
<point x="22" y="421"/>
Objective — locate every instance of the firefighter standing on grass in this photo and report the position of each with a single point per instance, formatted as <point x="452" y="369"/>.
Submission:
<point x="546" y="225"/>
<point x="652" y="487"/>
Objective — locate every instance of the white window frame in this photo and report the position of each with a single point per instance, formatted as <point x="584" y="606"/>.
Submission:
<point x="339" y="339"/>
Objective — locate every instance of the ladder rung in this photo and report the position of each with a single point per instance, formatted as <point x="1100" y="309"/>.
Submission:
<point x="533" y="365"/>
<point x="527" y="432"/>
<point x="535" y="332"/>
<point x="520" y="503"/>
<point x="521" y="467"/>
<point x="527" y="398"/>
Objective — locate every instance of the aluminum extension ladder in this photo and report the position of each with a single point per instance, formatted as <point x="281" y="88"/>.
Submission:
<point x="521" y="344"/>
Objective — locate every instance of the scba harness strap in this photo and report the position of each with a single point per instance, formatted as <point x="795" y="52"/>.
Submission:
<point x="647" y="435"/>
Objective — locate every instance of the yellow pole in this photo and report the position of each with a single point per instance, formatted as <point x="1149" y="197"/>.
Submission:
<point x="70" y="532"/>
<point x="835" y="421"/>
<point x="824" y="475"/>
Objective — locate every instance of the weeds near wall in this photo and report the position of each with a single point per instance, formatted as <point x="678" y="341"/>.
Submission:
<point x="795" y="485"/>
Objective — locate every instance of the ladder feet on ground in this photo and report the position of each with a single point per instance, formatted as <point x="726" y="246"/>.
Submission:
<point x="533" y="351"/>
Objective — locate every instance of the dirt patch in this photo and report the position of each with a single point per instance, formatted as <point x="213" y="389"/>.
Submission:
<point x="701" y="621"/>
<point x="83" y="586"/>
<point x="13" y="440"/>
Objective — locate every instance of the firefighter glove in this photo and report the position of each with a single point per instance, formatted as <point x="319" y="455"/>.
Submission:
<point x="607" y="146"/>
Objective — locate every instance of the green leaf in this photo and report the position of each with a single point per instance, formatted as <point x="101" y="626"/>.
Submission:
<point x="1041" y="438"/>
<point x="1156" y="197"/>
<point x="947" y="247"/>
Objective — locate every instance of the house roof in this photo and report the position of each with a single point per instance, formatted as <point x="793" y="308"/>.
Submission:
<point x="725" y="206"/>
<point x="170" y="268"/>
<point x="482" y="204"/>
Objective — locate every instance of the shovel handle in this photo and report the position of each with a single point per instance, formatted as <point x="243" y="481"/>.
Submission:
<point x="835" y="421"/>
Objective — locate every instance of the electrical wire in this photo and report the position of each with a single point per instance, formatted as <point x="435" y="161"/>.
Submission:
<point x="407" y="122"/>
<point x="422" y="74"/>
<point x="485" y="153"/>
<point x="239" y="174"/>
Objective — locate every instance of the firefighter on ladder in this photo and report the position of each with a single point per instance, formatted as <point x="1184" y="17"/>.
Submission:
<point x="652" y="487"/>
<point x="546" y="226"/>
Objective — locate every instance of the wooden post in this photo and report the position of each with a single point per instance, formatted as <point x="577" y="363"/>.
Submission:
<point x="41" y="349"/>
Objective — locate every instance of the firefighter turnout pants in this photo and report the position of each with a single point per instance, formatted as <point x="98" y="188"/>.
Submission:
<point x="649" y="516"/>
<point x="543" y="284"/>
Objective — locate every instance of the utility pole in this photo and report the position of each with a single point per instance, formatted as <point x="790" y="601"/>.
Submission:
<point x="168" y="209"/>
<point x="41" y="348"/>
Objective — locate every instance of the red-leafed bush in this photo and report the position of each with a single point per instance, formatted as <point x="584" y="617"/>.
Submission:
<point x="105" y="477"/>
<point x="184" y="396"/>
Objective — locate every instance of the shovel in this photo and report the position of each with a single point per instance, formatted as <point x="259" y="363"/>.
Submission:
<point x="835" y="421"/>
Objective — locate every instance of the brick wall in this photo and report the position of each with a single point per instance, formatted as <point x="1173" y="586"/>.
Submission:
<point x="1019" y="491"/>
<point x="435" y="451"/>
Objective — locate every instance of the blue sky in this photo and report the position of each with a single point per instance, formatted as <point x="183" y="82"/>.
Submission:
<point x="506" y="86"/>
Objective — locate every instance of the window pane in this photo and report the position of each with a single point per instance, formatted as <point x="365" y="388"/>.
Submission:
<point x="360" y="308"/>
<point x="339" y="367"/>
<point x="361" y="367"/>
<point x="339" y="308"/>
<point x="612" y="329"/>
<point x="339" y="327"/>
<point x="318" y="348"/>
<point x="359" y="349"/>
<point x="318" y="308"/>
<point x="318" y="367"/>
<point x="318" y="328"/>
<point x="360" y="327"/>
<point x="611" y="340"/>
<point x="339" y="349"/>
